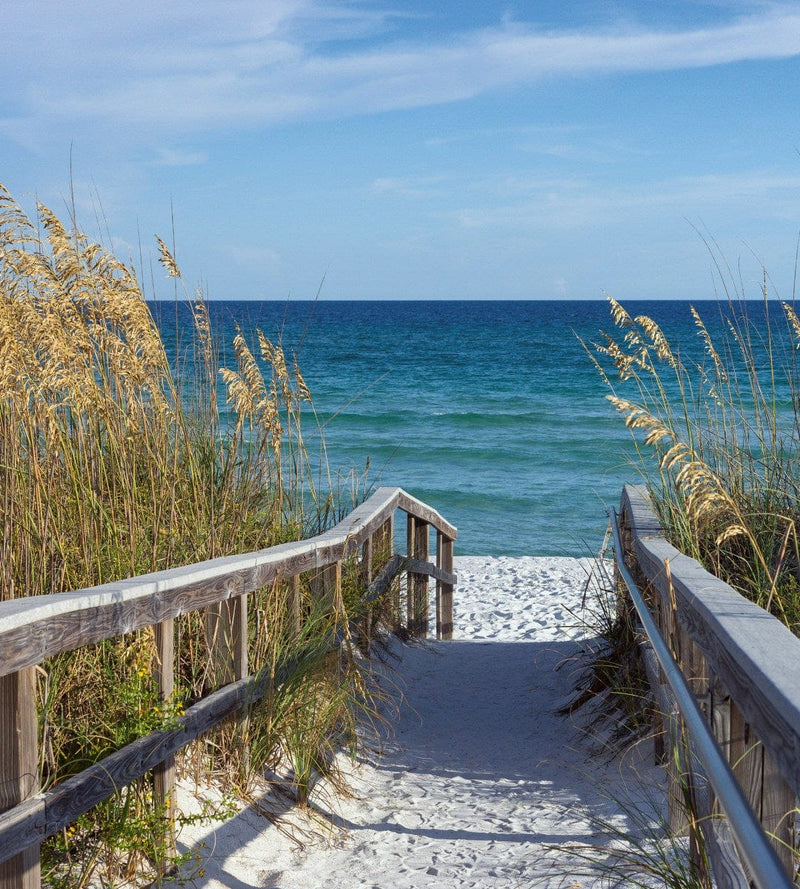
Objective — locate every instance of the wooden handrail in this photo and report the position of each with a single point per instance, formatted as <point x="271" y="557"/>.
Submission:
<point x="38" y="627"/>
<point x="741" y="661"/>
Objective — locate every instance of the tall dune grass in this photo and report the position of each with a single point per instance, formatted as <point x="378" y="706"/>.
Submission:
<point x="718" y="439"/>
<point x="114" y="462"/>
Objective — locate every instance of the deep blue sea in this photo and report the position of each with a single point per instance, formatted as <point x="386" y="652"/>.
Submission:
<point x="491" y="411"/>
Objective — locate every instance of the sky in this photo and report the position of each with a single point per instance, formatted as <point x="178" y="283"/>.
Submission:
<point x="458" y="149"/>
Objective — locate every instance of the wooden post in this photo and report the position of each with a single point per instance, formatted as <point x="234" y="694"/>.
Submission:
<point x="164" y="775"/>
<point x="366" y="561"/>
<point x="444" y="591"/>
<point x="331" y="583"/>
<point x="19" y="768"/>
<point x="778" y="806"/>
<point x="677" y="776"/>
<point x="226" y="635"/>
<point x="294" y="605"/>
<point x="366" y="579"/>
<point x="383" y="549"/>
<point x="417" y="590"/>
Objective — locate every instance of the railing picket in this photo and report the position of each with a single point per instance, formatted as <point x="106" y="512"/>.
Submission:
<point x="226" y="636"/>
<point x="418" y="548"/>
<point x="32" y="630"/>
<point x="295" y="605"/>
<point x="444" y="591"/>
<point x="19" y="768"/>
<point x="365" y="578"/>
<point x="778" y="809"/>
<point x="164" y="774"/>
<point x="384" y="546"/>
<point x="331" y="586"/>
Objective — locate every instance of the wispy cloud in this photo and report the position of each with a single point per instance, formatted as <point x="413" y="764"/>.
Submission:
<point x="545" y="204"/>
<point x="175" y="157"/>
<point x="409" y="186"/>
<point x="199" y="66"/>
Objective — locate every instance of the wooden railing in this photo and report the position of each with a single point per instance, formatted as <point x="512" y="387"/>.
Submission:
<point x="743" y="666"/>
<point x="35" y="628"/>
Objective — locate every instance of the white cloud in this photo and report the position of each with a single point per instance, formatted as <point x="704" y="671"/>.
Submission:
<point x="409" y="186"/>
<point x="175" y="157"/>
<point x="544" y="204"/>
<point x="185" y="66"/>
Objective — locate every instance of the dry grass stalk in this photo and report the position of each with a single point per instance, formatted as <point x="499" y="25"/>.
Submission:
<point x="113" y="465"/>
<point x="725" y="450"/>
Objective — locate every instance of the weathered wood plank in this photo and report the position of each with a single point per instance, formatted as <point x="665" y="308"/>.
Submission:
<point x="19" y="770"/>
<point x="725" y="863"/>
<point x="295" y="605"/>
<point x="57" y="808"/>
<point x="164" y="773"/>
<point x="367" y="551"/>
<point x="365" y="579"/>
<point x="32" y="629"/>
<point x="778" y="806"/>
<point x="418" y="551"/>
<point x="331" y="586"/>
<point x="24" y="826"/>
<point x="425" y="514"/>
<point x="384" y="546"/>
<point x="444" y="588"/>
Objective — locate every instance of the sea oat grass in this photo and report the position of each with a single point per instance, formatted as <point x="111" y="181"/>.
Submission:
<point x="718" y="439"/>
<point x="114" y="462"/>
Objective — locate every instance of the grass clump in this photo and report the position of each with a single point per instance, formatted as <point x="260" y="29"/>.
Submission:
<point x="610" y="677"/>
<point x="117" y="460"/>
<point x="720" y="438"/>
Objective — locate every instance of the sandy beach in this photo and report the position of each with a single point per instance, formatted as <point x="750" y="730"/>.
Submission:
<point x="479" y="783"/>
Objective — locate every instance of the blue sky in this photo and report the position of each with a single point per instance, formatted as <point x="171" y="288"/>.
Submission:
<point x="442" y="150"/>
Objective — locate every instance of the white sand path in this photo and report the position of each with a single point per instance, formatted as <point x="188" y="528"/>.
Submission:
<point x="480" y="777"/>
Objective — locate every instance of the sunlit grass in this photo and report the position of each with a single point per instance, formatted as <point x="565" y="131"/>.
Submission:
<point x="718" y="439"/>
<point x="114" y="462"/>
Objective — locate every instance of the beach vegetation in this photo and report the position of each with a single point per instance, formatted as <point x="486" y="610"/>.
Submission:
<point x="636" y="847"/>
<point x="716" y="426"/>
<point x="717" y="430"/>
<point x="609" y="674"/>
<point x="118" y="459"/>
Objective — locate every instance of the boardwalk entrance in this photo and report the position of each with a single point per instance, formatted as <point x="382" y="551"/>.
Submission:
<point x="480" y="779"/>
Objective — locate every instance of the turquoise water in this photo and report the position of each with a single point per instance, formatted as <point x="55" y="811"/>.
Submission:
<point x="491" y="412"/>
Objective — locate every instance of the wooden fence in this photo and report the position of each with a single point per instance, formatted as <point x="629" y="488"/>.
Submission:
<point x="743" y="666"/>
<point x="35" y="628"/>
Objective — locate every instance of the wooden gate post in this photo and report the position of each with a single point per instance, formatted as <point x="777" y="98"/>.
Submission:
<point x="444" y="591"/>
<point x="417" y="590"/>
<point x="19" y="768"/>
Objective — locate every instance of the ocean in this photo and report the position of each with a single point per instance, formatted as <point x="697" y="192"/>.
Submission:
<point x="489" y="411"/>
